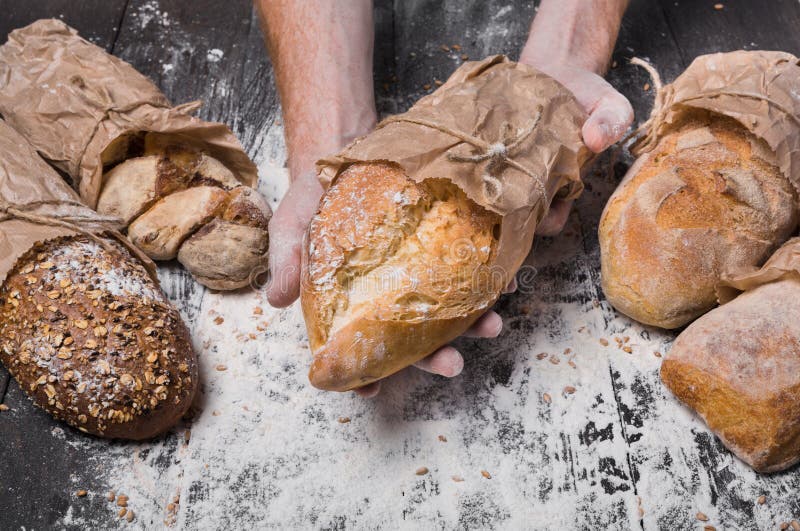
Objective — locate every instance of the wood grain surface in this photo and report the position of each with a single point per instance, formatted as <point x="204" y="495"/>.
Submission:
<point x="547" y="428"/>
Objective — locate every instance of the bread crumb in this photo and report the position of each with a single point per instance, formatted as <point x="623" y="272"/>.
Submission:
<point x="486" y="474"/>
<point x="718" y="6"/>
<point x="569" y="390"/>
<point x="81" y="493"/>
<point x="122" y="512"/>
<point x="442" y="438"/>
<point x="464" y="57"/>
<point x="219" y="320"/>
<point x="702" y="517"/>
<point x="458" y="479"/>
<point x="258" y="310"/>
<point x="110" y="496"/>
<point x="541" y="355"/>
<point x="657" y="354"/>
<point x="627" y="349"/>
<point x="604" y="341"/>
<point x="444" y="48"/>
<point x="421" y="471"/>
<point x="709" y="528"/>
<point x="762" y="500"/>
<point x="122" y="500"/>
<point x="221" y="367"/>
<point x="426" y="86"/>
<point x="456" y="47"/>
<point x="547" y="399"/>
<point x="646" y="87"/>
<point x="129" y="516"/>
<point x="344" y="420"/>
<point x="4" y="407"/>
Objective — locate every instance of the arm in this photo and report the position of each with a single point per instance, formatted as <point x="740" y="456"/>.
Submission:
<point x="321" y="52"/>
<point x="572" y="41"/>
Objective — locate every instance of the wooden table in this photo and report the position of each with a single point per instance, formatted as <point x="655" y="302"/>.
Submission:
<point x="267" y="450"/>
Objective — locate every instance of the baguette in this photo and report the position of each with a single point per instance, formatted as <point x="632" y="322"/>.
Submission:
<point x="92" y="340"/>
<point x="710" y="198"/>
<point x="393" y="270"/>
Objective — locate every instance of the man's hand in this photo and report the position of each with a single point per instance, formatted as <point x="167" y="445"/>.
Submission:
<point x="572" y="41"/>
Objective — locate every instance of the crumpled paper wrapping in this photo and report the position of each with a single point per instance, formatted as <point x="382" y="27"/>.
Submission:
<point x="783" y="264"/>
<point x="759" y="89"/>
<point x="70" y="99"/>
<point x="29" y="185"/>
<point x="478" y="99"/>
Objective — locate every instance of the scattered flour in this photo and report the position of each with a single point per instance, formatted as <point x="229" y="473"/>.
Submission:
<point x="214" y="55"/>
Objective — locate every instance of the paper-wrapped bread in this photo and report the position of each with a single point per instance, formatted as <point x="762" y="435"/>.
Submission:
<point x="427" y="219"/>
<point x="131" y="154"/>
<point x="713" y="190"/>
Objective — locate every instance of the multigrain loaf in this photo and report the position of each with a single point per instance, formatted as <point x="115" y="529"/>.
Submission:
<point x="91" y="339"/>
<point x="738" y="367"/>
<point x="393" y="270"/>
<point x="708" y="199"/>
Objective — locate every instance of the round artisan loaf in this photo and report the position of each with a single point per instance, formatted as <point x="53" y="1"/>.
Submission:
<point x="738" y="366"/>
<point x="707" y="200"/>
<point x="179" y="201"/>
<point x="91" y="338"/>
<point x="392" y="271"/>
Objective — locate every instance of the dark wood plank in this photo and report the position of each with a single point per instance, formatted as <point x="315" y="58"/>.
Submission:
<point x="96" y="20"/>
<point x="699" y="28"/>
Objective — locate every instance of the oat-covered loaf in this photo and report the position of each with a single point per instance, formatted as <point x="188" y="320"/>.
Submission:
<point x="91" y="338"/>
<point x="392" y="271"/>
<point x="708" y="199"/>
<point x="180" y="202"/>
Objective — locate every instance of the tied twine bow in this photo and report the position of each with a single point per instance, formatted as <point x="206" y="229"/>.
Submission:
<point x="647" y="135"/>
<point x="497" y="153"/>
<point x="24" y="212"/>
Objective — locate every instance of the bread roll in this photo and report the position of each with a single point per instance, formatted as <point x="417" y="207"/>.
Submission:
<point x="181" y="202"/>
<point x="392" y="271"/>
<point x="226" y="252"/>
<point x="92" y="339"/>
<point x="738" y="366"/>
<point x="708" y="199"/>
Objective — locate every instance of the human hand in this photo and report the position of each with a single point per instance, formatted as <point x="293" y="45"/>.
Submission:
<point x="571" y="41"/>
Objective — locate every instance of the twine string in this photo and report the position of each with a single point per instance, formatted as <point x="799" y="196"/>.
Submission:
<point x="497" y="153"/>
<point x="24" y="212"/>
<point x="646" y="135"/>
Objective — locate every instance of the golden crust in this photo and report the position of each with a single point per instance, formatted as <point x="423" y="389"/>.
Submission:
<point x="392" y="271"/>
<point x="738" y="366"/>
<point x="704" y="202"/>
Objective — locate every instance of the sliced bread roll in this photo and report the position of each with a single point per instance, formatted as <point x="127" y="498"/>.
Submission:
<point x="392" y="271"/>
<point x="708" y="199"/>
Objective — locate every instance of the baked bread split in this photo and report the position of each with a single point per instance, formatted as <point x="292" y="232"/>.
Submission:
<point x="392" y="271"/>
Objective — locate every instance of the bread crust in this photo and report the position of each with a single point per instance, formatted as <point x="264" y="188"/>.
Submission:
<point x="91" y="339"/>
<point x="709" y="199"/>
<point x="738" y="367"/>
<point x="392" y="271"/>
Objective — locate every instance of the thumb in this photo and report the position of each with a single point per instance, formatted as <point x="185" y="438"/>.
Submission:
<point x="285" y="248"/>
<point x="608" y="120"/>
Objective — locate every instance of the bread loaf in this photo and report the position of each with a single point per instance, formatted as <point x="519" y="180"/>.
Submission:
<point x="392" y="271"/>
<point x="738" y="366"/>
<point x="172" y="195"/>
<point x="92" y="339"/>
<point x="708" y="199"/>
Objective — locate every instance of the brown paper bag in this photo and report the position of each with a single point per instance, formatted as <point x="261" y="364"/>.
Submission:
<point x="528" y="121"/>
<point x="759" y="89"/>
<point x="70" y="99"/>
<point x="36" y="206"/>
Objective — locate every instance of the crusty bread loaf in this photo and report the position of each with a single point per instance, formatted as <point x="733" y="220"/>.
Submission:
<point x="92" y="339"/>
<point x="738" y="366"/>
<point x="708" y="199"/>
<point x="392" y="271"/>
<point x="173" y="195"/>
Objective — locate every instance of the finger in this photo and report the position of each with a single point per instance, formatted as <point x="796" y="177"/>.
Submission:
<point x="369" y="390"/>
<point x="608" y="121"/>
<point x="489" y="325"/>
<point x="284" y="263"/>
<point x="286" y="230"/>
<point x="446" y="361"/>
<point x="553" y="223"/>
<point x="512" y="286"/>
